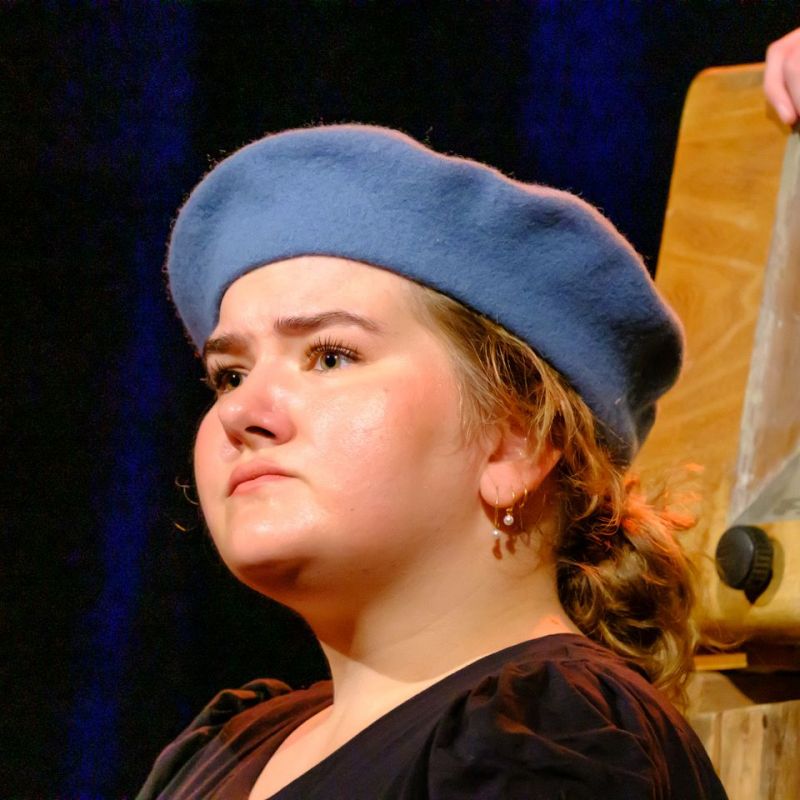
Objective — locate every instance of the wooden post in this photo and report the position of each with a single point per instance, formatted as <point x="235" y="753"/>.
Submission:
<point x="716" y="245"/>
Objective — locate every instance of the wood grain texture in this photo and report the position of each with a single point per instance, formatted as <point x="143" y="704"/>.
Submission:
<point x="722" y="691"/>
<point x="716" y="242"/>
<point x="754" y="749"/>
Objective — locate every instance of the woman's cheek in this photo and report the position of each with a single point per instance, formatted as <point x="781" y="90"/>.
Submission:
<point x="209" y="460"/>
<point x="375" y="439"/>
<point x="354" y="432"/>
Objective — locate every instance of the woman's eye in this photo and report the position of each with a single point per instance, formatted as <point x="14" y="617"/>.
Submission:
<point x="329" y="360"/>
<point x="223" y="380"/>
<point x="327" y="356"/>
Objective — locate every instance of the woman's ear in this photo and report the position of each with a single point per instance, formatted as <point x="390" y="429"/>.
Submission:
<point x="515" y="467"/>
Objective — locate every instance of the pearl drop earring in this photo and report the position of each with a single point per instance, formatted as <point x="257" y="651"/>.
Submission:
<point x="496" y="532"/>
<point x="508" y="519"/>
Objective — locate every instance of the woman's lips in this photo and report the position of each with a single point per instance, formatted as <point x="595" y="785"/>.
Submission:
<point x="249" y="476"/>
<point x="254" y="483"/>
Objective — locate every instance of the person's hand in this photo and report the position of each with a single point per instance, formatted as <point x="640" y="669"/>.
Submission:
<point x="782" y="76"/>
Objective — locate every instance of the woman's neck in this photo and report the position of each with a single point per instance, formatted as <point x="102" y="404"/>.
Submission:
<point x="399" y="646"/>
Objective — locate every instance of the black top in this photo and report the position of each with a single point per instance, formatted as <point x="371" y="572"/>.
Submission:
<point x="555" y="717"/>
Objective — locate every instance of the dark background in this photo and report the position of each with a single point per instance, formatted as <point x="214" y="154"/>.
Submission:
<point x="117" y="620"/>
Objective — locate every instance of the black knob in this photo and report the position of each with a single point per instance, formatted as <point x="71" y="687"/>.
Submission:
<point x="744" y="560"/>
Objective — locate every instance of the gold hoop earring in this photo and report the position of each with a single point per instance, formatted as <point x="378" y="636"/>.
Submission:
<point x="496" y="532"/>
<point x="521" y="507"/>
<point x="508" y="519"/>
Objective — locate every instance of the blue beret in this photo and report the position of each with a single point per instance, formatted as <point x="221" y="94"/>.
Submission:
<point x="541" y="262"/>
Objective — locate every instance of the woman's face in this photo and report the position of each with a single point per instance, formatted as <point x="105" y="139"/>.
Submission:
<point x="333" y="454"/>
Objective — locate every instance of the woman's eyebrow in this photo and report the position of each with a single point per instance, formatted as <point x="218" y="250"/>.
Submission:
<point x="306" y="324"/>
<point x="227" y="343"/>
<point x="294" y="325"/>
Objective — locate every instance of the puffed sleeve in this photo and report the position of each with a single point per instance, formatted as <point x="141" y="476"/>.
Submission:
<point x="567" y="730"/>
<point x="205" y="727"/>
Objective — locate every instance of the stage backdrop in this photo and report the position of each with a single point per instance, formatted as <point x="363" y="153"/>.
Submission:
<point x="118" y="621"/>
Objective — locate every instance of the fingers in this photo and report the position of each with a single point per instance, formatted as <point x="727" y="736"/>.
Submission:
<point x="782" y="76"/>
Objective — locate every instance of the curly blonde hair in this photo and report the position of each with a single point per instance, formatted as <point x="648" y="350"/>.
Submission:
<point x="622" y="576"/>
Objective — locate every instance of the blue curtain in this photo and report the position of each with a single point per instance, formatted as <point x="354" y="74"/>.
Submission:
<point x="142" y="57"/>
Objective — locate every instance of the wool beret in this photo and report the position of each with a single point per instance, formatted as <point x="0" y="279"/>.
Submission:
<point x="541" y="262"/>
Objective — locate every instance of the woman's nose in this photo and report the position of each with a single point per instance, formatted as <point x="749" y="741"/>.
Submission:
<point x="256" y="413"/>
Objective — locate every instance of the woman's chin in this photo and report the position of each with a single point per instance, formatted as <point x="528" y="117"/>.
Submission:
<point x="250" y="546"/>
<point x="277" y="578"/>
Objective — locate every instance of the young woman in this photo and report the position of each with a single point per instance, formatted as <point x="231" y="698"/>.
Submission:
<point x="429" y="381"/>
